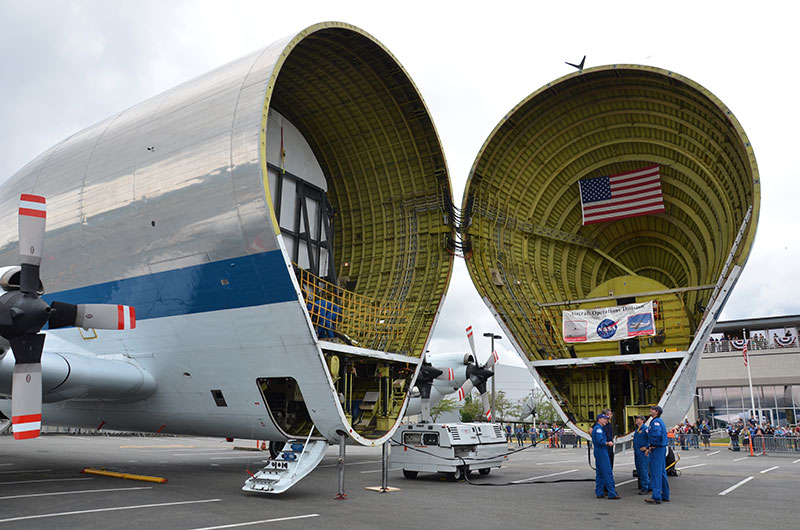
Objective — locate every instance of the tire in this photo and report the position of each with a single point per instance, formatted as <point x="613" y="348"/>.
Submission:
<point x="275" y="449"/>
<point x="410" y="474"/>
<point x="484" y="471"/>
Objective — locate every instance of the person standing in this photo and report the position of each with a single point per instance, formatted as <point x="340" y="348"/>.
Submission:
<point x="640" y="444"/>
<point x="604" y="477"/>
<point x="657" y="451"/>
<point x="705" y="432"/>
<point x="609" y="430"/>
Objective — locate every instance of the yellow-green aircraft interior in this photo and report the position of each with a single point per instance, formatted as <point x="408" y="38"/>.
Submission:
<point x="530" y="255"/>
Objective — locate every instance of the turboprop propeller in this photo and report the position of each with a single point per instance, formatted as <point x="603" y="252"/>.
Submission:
<point x="23" y="314"/>
<point x="477" y="377"/>
<point x="427" y="375"/>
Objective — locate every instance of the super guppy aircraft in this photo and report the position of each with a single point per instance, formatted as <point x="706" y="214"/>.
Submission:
<point x="542" y="234"/>
<point x="282" y="227"/>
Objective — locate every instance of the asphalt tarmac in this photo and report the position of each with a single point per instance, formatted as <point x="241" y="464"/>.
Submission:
<point x="41" y="485"/>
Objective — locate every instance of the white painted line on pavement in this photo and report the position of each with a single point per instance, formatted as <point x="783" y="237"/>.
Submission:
<point x="689" y="457"/>
<point x="216" y="452"/>
<point x="769" y="469"/>
<point x="114" y="509"/>
<point x="689" y="467"/>
<point x="715" y="452"/>
<point x="626" y="482"/>
<point x="743" y="458"/>
<point x="543" y="476"/>
<point x="6" y="464"/>
<point x="259" y="522"/>
<point x="796" y="461"/>
<point x="745" y="481"/>
<point x="558" y="462"/>
<point x="25" y="471"/>
<point x="72" y="492"/>
<point x="45" y="480"/>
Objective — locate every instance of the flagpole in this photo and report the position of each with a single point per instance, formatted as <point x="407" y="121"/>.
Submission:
<point x="749" y="377"/>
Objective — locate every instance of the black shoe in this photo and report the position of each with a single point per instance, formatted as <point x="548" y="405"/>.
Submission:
<point x="614" y="498"/>
<point x="601" y="496"/>
<point x="664" y="500"/>
<point x="652" y="501"/>
<point x="643" y="492"/>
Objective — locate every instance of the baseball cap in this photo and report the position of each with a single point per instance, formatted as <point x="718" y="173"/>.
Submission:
<point x="600" y="416"/>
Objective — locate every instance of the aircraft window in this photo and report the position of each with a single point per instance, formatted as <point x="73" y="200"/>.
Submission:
<point x="219" y="399"/>
<point x="306" y="221"/>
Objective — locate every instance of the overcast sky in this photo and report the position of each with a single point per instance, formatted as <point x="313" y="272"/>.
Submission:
<point x="67" y="65"/>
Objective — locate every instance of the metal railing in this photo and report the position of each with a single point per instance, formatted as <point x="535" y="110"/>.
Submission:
<point x="353" y="318"/>
<point x="754" y="344"/>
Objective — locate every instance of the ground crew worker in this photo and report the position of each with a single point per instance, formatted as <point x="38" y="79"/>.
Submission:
<point x="604" y="477"/>
<point x="657" y="451"/>
<point x="640" y="444"/>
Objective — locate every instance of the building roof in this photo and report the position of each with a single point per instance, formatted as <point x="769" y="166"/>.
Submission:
<point x="758" y="323"/>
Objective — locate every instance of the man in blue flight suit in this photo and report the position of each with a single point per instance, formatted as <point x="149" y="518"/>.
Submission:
<point x="604" y="477"/>
<point x="640" y="444"/>
<point x="657" y="451"/>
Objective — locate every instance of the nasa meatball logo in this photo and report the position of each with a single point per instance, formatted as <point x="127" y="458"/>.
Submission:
<point x="606" y="329"/>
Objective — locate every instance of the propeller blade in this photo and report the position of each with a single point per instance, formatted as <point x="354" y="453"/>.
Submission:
<point x="105" y="316"/>
<point x="471" y="340"/>
<point x="63" y="315"/>
<point x="493" y="358"/>
<point x="32" y="220"/>
<point x="26" y="389"/>
<point x="26" y="401"/>
<point x="448" y="374"/>
<point x="465" y="389"/>
<point x="487" y="408"/>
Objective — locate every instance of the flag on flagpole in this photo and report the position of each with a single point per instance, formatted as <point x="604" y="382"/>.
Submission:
<point x="744" y="352"/>
<point x="628" y="194"/>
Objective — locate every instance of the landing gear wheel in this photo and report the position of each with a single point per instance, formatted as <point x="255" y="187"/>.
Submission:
<point x="275" y="449"/>
<point x="484" y="471"/>
<point x="409" y="474"/>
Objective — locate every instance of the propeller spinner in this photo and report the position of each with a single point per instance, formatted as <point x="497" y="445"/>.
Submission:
<point x="23" y="314"/>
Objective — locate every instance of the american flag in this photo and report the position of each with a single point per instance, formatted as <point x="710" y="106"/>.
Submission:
<point x="619" y="196"/>
<point x="744" y="352"/>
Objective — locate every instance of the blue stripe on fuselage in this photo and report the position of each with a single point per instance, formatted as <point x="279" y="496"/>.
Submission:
<point x="253" y="280"/>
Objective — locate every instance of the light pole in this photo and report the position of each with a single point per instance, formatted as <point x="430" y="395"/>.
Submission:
<point x="491" y="352"/>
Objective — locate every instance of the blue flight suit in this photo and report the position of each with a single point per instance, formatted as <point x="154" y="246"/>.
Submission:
<point x="604" y="477"/>
<point x="657" y="436"/>
<point x="640" y="441"/>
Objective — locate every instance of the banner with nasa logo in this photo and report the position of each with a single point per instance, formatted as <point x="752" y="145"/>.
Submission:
<point x="609" y="323"/>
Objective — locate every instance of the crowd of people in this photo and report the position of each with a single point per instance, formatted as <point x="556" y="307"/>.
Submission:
<point x="551" y="434"/>
<point x="690" y="435"/>
<point x="740" y="434"/>
<point x="756" y="341"/>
